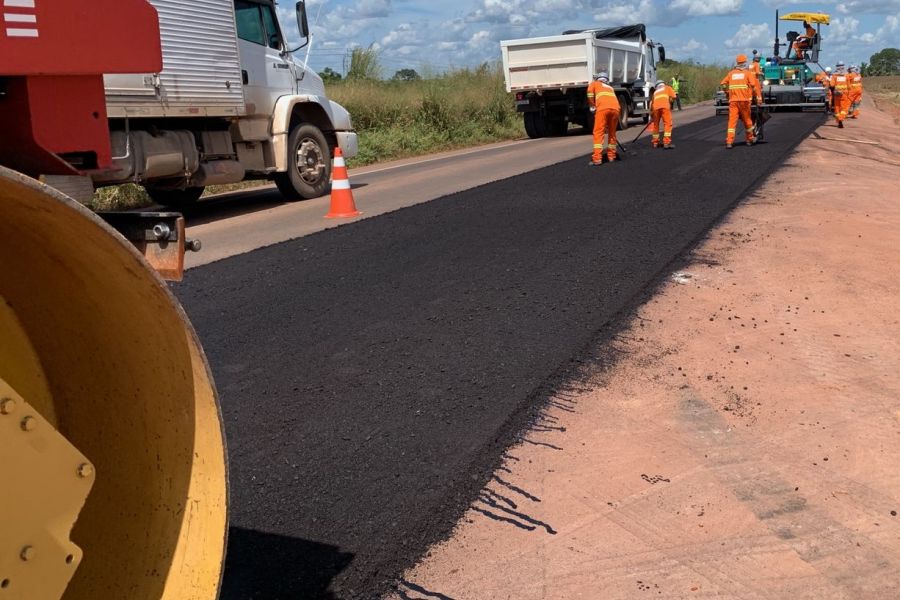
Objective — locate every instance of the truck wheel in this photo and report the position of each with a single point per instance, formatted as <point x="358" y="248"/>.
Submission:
<point x="175" y="198"/>
<point x="623" y="114"/>
<point x="531" y="128"/>
<point x="645" y="119"/>
<point x="309" y="164"/>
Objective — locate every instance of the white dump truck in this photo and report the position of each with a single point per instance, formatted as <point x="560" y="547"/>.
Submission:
<point x="550" y="75"/>
<point x="230" y="103"/>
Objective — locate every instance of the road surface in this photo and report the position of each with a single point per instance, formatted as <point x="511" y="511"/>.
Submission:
<point x="239" y="222"/>
<point x="372" y="375"/>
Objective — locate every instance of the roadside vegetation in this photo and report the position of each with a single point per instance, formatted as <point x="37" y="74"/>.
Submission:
<point x="698" y="82"/>
<point x="411" y="114"/>
<point x="885" y="89"/>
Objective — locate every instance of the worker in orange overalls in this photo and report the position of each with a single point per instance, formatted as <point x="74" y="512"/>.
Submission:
<point x="742" y="88"/>
<point x="825" y="79"/>
<point x="756" y="65"/>
<point x="840" y="87"/>
<point x="804" y="42"/>
<point x="603" y="103"/>
<point x="856" y="91"/>
<point x="661" y="110"/>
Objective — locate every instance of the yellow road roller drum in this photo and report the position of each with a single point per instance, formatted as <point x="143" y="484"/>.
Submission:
<point x="112" y="457"/>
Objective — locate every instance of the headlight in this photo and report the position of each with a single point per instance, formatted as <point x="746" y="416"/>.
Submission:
<point x="765" y="82"/>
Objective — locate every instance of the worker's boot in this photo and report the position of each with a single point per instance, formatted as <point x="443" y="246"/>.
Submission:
<point x="669" y="146"/>
<point x="840" y="124"/>
<point x="729" y="146"/>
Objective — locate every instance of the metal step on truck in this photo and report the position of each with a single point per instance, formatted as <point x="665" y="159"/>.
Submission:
<point x="230" y="103"/>
<point x="549" y="75"/>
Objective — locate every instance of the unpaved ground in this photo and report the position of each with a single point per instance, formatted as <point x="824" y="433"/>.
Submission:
<point x="747" y="444"/>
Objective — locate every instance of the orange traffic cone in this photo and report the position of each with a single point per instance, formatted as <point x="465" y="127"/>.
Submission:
<point x="342" y="205"/>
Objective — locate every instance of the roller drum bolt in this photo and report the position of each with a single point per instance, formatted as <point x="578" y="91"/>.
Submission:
<point x="161" y="231"/>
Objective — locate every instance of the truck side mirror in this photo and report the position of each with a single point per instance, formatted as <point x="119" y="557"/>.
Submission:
<point x="302" y="22"/>
<point x="662" y="54"/>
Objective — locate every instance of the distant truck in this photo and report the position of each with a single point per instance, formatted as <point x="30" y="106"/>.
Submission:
<point x="550" y="75"/>
<point x="230" y="103"/>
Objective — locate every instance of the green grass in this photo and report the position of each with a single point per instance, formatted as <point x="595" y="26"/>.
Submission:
<point x="699" y="82"/>
<point x="397" y="119"/>
<point x="885" y="88"/>
<point x="129" y="196"/>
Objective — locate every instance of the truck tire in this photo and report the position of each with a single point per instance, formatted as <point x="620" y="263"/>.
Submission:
<point x="623" y="114"/>
<point x="557" y="127"/>
<point x="174" y="197"/>
<point x="531" y="125"/>
<point x="308" y="162"/>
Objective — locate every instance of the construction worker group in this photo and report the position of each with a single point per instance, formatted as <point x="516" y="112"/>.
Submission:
<point x="743" y="85"/>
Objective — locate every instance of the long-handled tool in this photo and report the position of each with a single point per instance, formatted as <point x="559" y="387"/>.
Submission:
<point x="623" y="148"/>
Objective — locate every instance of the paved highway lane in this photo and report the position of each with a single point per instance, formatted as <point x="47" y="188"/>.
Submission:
<point x="372" y="375"/>
<point x="239" y="222"/>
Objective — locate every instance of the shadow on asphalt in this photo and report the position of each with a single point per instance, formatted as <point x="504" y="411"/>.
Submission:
<point x="265" y="566"/>
<point x="237" y="204"/>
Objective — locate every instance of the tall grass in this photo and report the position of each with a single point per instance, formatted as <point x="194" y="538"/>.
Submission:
<point x="699" y="82"/>
<point x="404" y="118"/>
<point x="885" y="88"/>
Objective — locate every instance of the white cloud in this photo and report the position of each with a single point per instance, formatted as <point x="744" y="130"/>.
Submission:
<point x="858" y="7"/>
<point x="703" y="8"/>
<point x="689" y="50"/>
<point x="750" y="36"/>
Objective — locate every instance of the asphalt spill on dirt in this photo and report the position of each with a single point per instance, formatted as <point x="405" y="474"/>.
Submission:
<point x="372" y="375"/>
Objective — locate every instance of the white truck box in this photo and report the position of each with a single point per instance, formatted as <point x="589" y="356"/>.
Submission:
<point x="569" y="60"/>
<point x="201" y="73"/>
<point x="549" y="75"/>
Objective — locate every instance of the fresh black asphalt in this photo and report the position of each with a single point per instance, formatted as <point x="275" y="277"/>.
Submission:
<point x="372" y="375"/>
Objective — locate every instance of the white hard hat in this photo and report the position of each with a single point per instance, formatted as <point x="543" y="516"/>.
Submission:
<point x="840" y="63"/>
<point x="660" y="83"/>
<point x="828" y="69"/>
<point x="603" y="76"/>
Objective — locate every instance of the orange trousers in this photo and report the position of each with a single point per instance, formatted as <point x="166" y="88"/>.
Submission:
<point x="606" y="122"/>
<point x="664" y="115"/>
<point x="855" y="101"/>
<point x="841" y="106"/>
<point x="739" y="109"/>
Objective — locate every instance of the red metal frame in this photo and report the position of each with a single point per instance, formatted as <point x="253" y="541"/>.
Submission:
<point x="53" y="54"/>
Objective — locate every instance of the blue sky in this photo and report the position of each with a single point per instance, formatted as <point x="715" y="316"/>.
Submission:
<point x="440" y="34"/>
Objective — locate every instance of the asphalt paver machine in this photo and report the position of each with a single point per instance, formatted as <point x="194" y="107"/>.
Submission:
<point x="789" y="82"/>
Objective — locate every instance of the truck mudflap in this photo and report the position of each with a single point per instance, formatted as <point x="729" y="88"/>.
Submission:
<point x="348" y="142"/>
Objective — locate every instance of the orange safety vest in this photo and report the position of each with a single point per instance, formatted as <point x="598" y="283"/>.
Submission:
<point x="663" y="98"/>
<point x="602" y="96"/>
<point x="855" y="82"/>
<point x="755" y="68"/>
<point x="742" y="86"/>
<point x="840" y="82"/>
